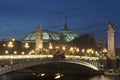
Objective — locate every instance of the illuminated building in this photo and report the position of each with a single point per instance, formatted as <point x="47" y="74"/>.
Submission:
<point x="51" y="36"/>
<point x="57" y="39"/>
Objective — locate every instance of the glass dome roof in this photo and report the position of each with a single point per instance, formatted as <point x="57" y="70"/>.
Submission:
<point x="50" y="35"/>
<point x="69" y="35"/>
<point x="47" y="36"/>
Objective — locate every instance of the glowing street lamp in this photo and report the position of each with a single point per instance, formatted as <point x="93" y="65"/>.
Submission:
<point x="63" y="48"/>
<point x="13" y="39"/>
<point x="90" y="51"/>
<point x="96" y="52"/>
<point x="77" y="50"/>
<point x="105" y="50"/>
<point x="83" y="50"/>
<point x="71" y="49"/>
<point x="15" y="52"/>
<point x="4" y="45"/>
<point x="6" y="52"/>
<point x="10" y="44"/>
<point x="27" y="45"/>
<point x="30" y="53"/>
<point x="23" y="53"/>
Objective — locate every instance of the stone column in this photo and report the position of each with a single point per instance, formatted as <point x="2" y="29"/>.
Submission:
<point x="111" y="60"/>
<point x="39" y="40"/>
<point x="111" y="45"/>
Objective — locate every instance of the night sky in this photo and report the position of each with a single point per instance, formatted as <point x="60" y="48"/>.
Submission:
<point x="20" y="17"/>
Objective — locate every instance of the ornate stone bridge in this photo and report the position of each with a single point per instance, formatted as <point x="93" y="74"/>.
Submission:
<point x="17" y="62"/>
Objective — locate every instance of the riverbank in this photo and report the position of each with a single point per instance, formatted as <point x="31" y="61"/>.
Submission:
<point x="112" y="72"/>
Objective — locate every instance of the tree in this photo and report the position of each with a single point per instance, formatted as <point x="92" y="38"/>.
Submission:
<point x="84" y="41"/>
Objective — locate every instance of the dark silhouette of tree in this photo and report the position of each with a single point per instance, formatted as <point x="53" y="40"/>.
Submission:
<point x="84" y="41"/>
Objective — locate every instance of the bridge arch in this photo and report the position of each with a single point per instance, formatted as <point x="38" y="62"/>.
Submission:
<point x="82" y="63"/>
<point x="32" y="63"/>
<point x="86" y="64"/>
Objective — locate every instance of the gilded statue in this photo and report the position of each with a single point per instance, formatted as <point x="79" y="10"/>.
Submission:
<point x="111" y="25"/>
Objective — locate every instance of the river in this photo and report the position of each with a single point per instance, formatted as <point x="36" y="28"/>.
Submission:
<point x="55" y="76"/>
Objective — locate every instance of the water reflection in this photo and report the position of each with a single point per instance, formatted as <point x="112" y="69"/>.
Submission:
<point x="55" y="76"/>
<point x="102" y="77"/>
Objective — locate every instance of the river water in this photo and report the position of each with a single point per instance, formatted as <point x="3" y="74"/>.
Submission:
<point x="55" y="76"/>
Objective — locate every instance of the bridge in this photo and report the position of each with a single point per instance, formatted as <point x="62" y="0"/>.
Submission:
<point x="17" y="62"/>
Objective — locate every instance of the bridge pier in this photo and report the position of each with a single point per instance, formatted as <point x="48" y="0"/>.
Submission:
<point x="111" y="56"/>
<point x="111" y="63"/>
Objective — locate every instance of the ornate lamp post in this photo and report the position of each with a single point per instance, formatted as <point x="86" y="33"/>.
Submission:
<point x="10" y="45"/>
<point x="77" y="50"/>
<point x="72" y="50"/>
<point x="27" y="47"/>
<point x="90" y="51"/>
<point x="105" y="51"/>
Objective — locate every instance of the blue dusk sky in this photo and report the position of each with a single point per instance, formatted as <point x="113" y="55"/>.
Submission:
<point x="20" y="17"/>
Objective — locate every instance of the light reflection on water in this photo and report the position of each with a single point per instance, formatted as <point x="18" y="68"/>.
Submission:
<point x="43" y="76"/>
<point x="102" y="77"/>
